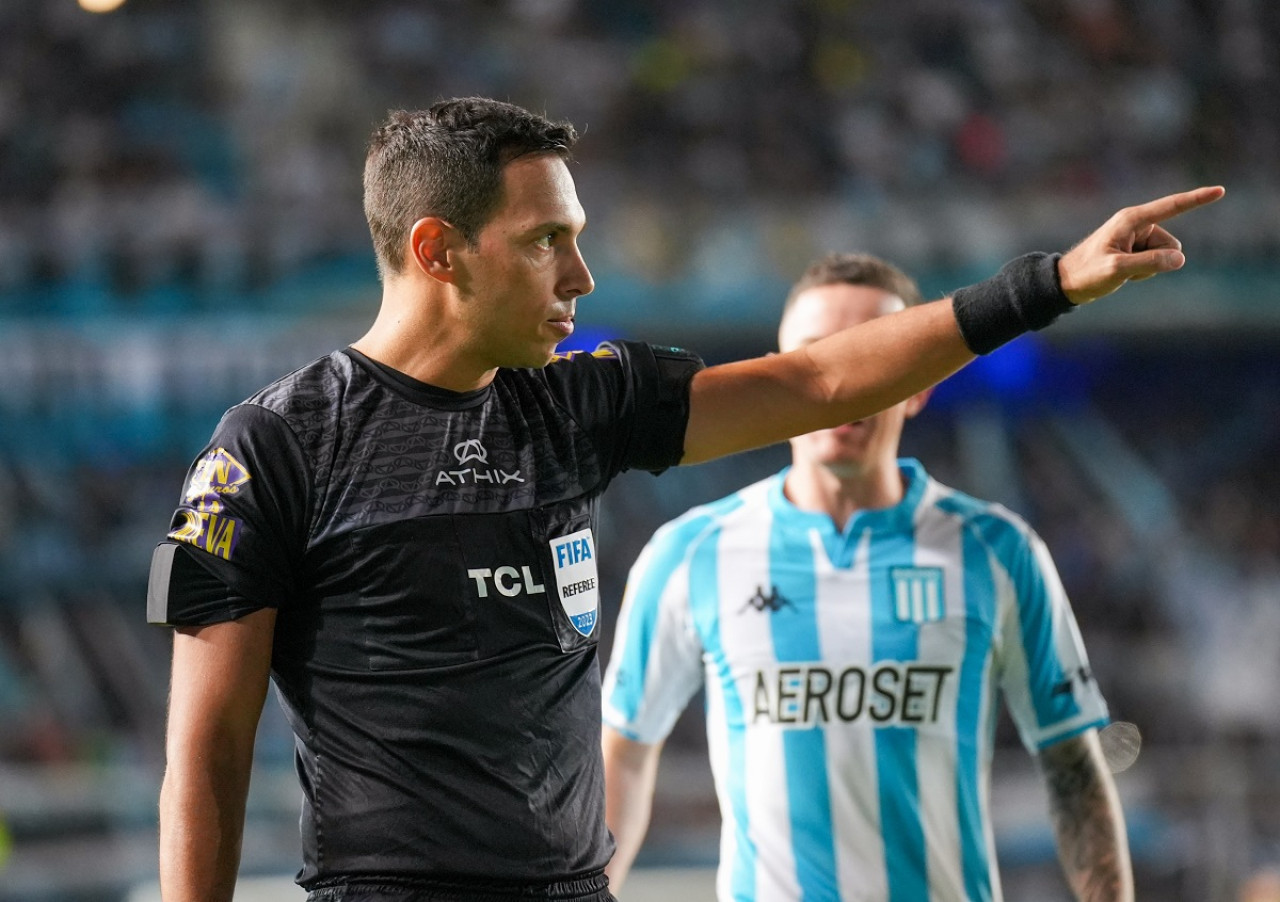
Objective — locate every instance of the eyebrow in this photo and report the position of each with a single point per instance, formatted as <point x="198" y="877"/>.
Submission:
<point x="560" y="228"/>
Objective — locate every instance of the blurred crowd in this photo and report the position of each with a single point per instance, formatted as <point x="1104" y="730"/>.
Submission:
<point x="177" y="155"/>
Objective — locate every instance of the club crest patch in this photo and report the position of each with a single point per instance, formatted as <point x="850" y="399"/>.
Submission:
<point x="574" y="558"/>
<point x="917" y="594"/>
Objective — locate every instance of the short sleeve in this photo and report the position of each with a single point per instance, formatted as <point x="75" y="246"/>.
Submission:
<point x="632" y="398"/>
<point x="1044" y="670"/>
<point x="239" y="528"/>
<point x="656" y="663"/>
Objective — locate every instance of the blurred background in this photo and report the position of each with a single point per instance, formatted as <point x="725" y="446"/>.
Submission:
<point x="180" y="223"/>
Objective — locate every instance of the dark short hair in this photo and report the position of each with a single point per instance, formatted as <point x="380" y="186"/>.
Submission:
<point x="855" y="269"/>
<point x="447" y="161"/>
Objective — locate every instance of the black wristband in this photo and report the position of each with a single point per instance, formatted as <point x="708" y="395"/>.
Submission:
<point x="1023" y="296"/>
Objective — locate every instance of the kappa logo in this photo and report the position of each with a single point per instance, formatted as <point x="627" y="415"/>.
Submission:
<point x="773" y="602"/>
<point x="472" y="451"/>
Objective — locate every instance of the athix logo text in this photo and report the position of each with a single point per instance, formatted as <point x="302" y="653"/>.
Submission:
<point x="473" y="452"/>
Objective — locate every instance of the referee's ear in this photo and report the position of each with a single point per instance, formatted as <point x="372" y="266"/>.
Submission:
<point x="432" y="242"/>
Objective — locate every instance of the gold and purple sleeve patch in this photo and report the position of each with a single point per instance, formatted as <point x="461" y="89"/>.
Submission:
<point x="200" y="521"/>
<point x="215" y="475"/>
<point x="217" y="534"/>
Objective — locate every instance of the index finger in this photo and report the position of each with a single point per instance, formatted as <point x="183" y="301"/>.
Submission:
<point x="1174" y="204"/>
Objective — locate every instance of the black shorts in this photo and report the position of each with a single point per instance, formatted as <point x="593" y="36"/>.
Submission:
<point x="593" y="888"/>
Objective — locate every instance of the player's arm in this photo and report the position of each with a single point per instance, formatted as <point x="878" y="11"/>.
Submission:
<point x="630" y="774"/>
<point x="1087" y="819"/>
<point x="863" y="370"/>
<point x="218" y="686"/>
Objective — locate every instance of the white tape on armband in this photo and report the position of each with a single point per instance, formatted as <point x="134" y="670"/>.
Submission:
<point x="158" y="582"/>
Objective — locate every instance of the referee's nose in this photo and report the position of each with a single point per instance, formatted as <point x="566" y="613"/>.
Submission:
<point x="575" y="280"/>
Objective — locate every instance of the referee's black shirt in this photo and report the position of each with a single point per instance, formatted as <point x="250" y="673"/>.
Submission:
<point x="431" y="556"/>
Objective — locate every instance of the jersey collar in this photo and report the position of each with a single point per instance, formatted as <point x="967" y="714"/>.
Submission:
<point x="419" y="392"/>
<point x="901" y="516"/>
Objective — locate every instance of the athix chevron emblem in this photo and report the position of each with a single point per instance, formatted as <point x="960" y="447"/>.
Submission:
<point x="471" y="449"/>
<point x="917" y="594"/>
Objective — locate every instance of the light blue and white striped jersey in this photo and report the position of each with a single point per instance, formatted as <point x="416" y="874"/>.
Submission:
<point x="852" y="682"/>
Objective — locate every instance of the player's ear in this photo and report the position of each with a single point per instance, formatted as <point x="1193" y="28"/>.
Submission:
<point x="916" y="402"/>
<point x="432" y="244"/>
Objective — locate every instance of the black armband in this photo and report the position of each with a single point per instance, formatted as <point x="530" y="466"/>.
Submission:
<point x="1023" y="296"/>
<point x="182" y="592"/>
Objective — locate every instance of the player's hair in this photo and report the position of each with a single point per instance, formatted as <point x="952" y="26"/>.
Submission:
<point x="855" y="269"/>
<point x="447" y="161"/>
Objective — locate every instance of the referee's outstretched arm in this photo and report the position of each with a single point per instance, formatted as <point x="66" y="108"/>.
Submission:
<point x="863" y="370"/>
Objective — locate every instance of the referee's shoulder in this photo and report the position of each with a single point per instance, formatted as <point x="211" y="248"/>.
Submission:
<point x="320" y="377"/>
<point x="294" y="399"/>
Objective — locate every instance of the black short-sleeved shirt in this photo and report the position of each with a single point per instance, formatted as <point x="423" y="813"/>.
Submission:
<point x="432" y="559"/>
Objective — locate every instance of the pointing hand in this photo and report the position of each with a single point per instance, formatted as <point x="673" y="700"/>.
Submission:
<point x="1130" y="246"/>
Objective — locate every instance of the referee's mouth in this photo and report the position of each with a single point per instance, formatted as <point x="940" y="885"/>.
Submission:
<point x="563" y="326"/>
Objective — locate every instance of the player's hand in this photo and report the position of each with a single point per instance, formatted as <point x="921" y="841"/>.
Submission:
<point x="1130" y="246"/>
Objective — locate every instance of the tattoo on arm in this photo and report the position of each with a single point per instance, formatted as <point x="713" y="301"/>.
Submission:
<point x="1087" y="820"/>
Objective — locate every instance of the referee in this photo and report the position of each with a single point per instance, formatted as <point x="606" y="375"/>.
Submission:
<point x="401" y="535"/>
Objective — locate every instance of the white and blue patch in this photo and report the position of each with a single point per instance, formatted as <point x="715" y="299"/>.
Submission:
<point x="917" y="594"/>
<point x="577" y="584"/>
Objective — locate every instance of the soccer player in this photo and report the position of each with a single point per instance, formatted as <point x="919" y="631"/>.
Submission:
<point x="401" y="535"/>
<point x="854" y="622"/>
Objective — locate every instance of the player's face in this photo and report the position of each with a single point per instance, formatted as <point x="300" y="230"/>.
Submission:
<point x="852" y="449"/>
<point x="522" y="281"/>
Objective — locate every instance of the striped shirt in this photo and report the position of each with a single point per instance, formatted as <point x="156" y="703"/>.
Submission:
<point x="852" y="679"/>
